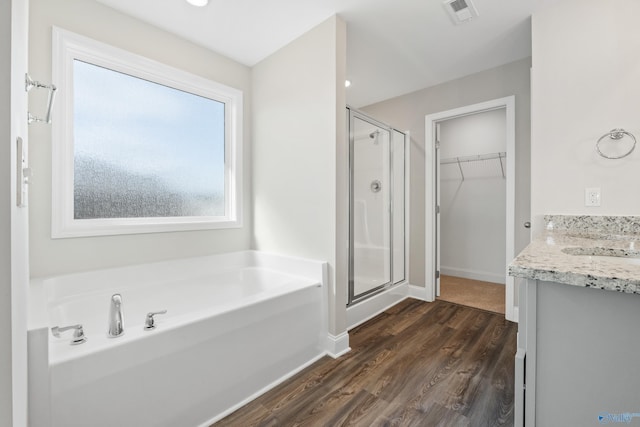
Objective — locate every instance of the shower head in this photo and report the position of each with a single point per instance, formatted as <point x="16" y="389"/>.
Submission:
<point x="374" y="135"/>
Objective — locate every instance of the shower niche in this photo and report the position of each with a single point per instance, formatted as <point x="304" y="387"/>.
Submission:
<point x="377" y="207"/>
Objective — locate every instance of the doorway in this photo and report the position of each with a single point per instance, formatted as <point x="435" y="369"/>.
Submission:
<point x="472" y="183"/>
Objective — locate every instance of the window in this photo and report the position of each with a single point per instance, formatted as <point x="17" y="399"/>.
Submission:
<point x="140" y="146"/>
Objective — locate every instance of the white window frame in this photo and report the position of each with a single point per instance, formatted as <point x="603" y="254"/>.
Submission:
<point x="67" y="47"/>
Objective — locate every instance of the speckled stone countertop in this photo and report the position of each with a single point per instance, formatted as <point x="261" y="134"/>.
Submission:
<point x="590" y="251"/>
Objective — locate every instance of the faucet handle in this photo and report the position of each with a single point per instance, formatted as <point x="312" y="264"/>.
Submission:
<point x="149" y="322"/>
<point x="78" y="333"/>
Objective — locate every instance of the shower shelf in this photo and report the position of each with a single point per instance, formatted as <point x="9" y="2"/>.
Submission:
<point x="475" y="158"/>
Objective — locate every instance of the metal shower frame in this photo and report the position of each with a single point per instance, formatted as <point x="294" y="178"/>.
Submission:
<point x="351" y="297"/>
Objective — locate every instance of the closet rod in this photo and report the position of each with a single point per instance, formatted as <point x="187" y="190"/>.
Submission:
<point x="474" y="158"/>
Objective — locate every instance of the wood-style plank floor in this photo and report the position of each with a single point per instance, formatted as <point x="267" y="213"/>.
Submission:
<point x="417" y="364"/>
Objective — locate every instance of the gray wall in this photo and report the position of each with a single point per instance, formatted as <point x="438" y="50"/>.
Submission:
<point x="91" y="19"/>
<point x="408" y="112"/>
<point x="5" y="215"/>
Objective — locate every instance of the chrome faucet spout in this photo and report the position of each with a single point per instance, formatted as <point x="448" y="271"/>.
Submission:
<point x="116" y="327"/>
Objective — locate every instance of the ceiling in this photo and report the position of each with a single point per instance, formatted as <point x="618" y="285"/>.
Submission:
<point x="393" y="46"/>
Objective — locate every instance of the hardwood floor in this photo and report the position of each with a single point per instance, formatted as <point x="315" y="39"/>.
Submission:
<point x="473" y="293"/>
<point x="417" y="364"/>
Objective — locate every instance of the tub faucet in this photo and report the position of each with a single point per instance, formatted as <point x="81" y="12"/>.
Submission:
<point x="116" y="328"/>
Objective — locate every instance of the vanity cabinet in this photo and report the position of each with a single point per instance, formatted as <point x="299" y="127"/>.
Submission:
<point x="578" y="360"/>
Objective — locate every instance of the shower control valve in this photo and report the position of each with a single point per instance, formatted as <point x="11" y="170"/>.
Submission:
<point x="78" y="333"/>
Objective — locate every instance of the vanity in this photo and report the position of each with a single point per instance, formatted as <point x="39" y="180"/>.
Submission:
<point x="578" y="358"/>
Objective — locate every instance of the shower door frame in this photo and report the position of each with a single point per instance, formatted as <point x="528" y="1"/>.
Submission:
<point x="353" y="299"/>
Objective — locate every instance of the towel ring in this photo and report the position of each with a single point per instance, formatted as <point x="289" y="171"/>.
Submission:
<point x="616" y="135"/>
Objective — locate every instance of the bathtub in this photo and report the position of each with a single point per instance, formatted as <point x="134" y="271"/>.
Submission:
<point x="236" y="325"/>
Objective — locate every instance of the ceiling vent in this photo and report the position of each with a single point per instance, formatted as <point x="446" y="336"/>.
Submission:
<point x="461" y="11"/>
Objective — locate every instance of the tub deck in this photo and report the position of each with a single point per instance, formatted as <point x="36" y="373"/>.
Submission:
<point x="236" y="325"/>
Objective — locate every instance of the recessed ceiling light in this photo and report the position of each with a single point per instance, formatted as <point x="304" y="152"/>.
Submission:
<point x="347" y="83"/>
<point x="199" y="3"/>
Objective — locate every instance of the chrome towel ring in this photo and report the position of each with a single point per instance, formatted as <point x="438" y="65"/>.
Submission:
<point x="616" y="135"/>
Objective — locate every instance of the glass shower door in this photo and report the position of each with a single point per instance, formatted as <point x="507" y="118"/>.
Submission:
<point x="370" y="228"/>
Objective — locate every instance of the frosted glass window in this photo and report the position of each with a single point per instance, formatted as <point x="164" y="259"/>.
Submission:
<point x="140" y="146"/>
<point x="142" y="149"/>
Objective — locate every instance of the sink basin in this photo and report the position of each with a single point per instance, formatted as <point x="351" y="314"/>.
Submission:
<point x="624" y="256"/>
<point x="623" y="260"/>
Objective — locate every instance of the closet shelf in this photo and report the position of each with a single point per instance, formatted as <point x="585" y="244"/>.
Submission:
<point x="475" y="158"/>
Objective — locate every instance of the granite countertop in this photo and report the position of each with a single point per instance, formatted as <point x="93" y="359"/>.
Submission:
<point x="572" y="251"/>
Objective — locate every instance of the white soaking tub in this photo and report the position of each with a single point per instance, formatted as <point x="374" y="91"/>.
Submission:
<point x="236" y="325"/>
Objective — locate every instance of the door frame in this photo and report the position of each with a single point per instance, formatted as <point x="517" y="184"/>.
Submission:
<point x="15" y="279"/>
<point x="432" y="197"/>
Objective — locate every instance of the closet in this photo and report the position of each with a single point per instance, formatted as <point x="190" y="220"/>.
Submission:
<point x="472" y="190"/>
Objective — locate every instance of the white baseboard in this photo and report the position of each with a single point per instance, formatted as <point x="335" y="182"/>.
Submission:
<point x="419" y="292"/>
<point x="371" y="307"/>
<point x="485" y="276"/>
<point x="338" y="345"/>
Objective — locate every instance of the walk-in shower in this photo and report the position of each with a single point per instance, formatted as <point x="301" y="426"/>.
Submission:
<point x="377" y="245"/>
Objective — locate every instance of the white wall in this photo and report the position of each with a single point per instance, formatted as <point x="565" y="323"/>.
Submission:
<point x="99" y="22"/>
<point x="19" y="215"/>
<point x="6" y="412"/>
<point x="408" y="112"/>
<point x="585" y="77"/>
<point x="13" y="220"/>
<point x="299" y="148"/>
<point x="473" y="210"/>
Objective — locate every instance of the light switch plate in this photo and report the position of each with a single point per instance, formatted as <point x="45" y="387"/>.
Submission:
<point x="592" y="196"/>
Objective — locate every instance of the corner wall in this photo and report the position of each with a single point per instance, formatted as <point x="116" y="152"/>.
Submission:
<point x="94" y="20"/>
<point x="299" y="147"/>
<point x="585" y="74"/>
<point x="408" y="112"/>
